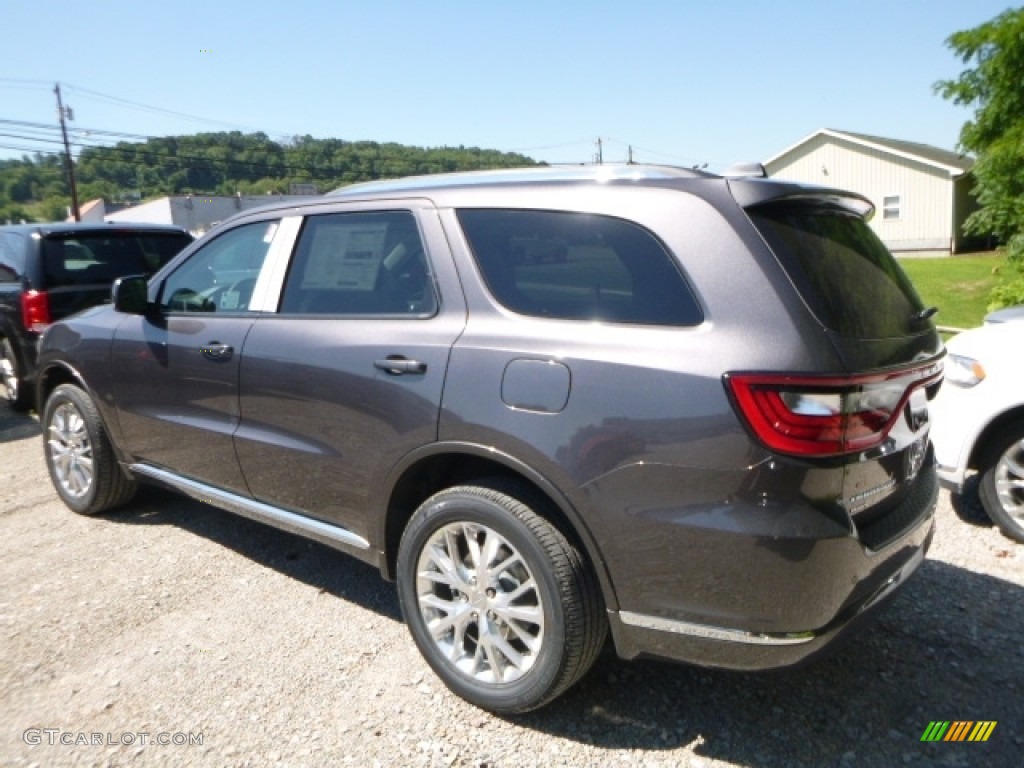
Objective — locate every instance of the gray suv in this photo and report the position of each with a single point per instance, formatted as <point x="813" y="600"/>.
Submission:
<point x="692" y="414"/>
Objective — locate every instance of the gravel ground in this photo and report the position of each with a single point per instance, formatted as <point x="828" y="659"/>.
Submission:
<point x="176" y="618"/>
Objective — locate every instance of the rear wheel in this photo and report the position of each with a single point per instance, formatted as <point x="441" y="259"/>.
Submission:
<point x="12" y="386"/>
<point x="82" y="464"/>
<point x="499" y="602"/>
<point x="1002" y="481"/>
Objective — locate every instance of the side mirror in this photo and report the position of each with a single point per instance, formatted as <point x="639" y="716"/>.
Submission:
<point x="129" y="295"/>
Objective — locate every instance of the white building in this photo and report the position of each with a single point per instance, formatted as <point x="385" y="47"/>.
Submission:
<point x="196" y="213"/>
<point x="921" y="193"/>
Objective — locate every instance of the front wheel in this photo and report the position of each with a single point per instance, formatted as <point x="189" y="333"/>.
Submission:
<point x="82" y="464"/>
<point x="1002" y="481"/>
<point x="499" y="602"/>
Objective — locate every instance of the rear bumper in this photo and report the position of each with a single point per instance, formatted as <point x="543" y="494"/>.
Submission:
<point x="858" y="577"/>
<point x="638" y="635"/>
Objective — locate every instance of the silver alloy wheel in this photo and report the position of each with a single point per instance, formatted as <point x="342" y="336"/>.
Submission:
<point x="70" y="450"/>
<point x="480" y="602"/>
<point x="1009" y="480"/>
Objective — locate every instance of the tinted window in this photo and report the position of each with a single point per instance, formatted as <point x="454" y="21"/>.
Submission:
<point x="578" y="267"/>
<point x="846" y="275"/>
<point x="358" y="264"/>
<point x="12" y="257"/>
<point x="220" y="276"/>
<point x="97" y="258"/>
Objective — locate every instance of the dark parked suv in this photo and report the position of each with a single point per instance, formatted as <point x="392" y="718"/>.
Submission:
<point x="50" y="271"/>
<point x="703" y="427"/>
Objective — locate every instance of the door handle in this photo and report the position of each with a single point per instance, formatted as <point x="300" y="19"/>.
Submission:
<point x="214" y="350"/>
<point x="396" y="365"/>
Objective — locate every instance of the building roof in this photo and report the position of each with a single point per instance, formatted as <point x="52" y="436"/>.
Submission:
<point x="956" y="164"/>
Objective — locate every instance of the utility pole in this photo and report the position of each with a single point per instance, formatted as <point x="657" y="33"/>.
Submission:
<point x="62" y="113"/>
<point x="600" y="151"/>
<point x="630" y="161"/>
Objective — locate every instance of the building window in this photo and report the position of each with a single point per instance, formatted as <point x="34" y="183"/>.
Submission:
<point x="892" y="207"/>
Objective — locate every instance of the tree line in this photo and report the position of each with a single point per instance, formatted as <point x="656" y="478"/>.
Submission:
<point x="224" y="163"/>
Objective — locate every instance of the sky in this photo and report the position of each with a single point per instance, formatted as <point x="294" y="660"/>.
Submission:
<point x="681" y="81"/>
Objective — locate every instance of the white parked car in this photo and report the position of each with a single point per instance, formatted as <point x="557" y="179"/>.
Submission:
<point x="978" y="420"/>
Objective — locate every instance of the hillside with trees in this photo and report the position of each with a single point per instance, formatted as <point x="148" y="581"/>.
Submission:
<point x="36" y="187"/>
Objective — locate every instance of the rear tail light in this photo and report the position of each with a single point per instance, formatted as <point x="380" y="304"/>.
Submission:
<point x="824" y="416"/>
<point x="35" y="310"/>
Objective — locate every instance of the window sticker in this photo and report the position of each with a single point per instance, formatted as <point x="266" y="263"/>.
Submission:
<point x="229" y="300"/>
<point x="346" y="257"/>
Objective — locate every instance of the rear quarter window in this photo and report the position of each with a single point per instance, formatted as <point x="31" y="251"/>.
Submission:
<point x="577" y="266"/>
<point x="845" y="274"/>
<point x="12" y="256"/>
<point x="99" y="258"/>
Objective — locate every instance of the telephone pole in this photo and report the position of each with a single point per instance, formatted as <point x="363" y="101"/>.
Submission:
<point x="600" y="151"/>
<point x="62" y="113"/>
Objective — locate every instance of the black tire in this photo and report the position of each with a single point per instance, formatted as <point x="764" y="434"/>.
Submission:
<point x="13" y="388"/>
<point x="564" y="597"/>
<point x="1003" y="464"/>
<point x="73" y="435"/>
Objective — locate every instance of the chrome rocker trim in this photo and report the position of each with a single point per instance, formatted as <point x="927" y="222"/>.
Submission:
<point x="252" y="509"/>
<point x="712" y="633"/>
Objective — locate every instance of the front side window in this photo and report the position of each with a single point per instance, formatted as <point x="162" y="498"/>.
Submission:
<point x="360" y="264"/>
<point x="220" y="277"/>
<point x="577" y="266"/>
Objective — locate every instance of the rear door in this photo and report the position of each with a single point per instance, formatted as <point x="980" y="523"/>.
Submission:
<point x="176" y="380"/>
<point x="346" y="378"/>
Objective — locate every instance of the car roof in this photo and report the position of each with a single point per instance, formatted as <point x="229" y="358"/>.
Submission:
<point x="511" y="177"/>
<point x="746" y="183"/>
<point x="65" y="227"/>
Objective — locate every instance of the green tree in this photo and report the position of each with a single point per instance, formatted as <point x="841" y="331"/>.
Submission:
<point x="227" y="163"/>
<point x="993" y="84"/>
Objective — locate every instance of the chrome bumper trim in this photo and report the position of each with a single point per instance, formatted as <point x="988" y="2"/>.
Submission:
<point x="252" y="509"/>
<point x="704" y="631"/>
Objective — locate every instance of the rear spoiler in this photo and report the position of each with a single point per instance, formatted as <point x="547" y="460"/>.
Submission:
<point x="752" y="192"/>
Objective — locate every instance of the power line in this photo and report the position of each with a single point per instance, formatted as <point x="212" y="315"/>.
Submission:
<point x="107" y="98"/>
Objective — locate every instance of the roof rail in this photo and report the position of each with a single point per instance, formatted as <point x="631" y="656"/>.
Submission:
<point x="535" y="174"/>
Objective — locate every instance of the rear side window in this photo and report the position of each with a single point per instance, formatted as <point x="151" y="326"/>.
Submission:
<point x="89" y="258"/>
<point x="577" y="266"/>
<point x="846" y="275"/>
<point x="369" y="263"/>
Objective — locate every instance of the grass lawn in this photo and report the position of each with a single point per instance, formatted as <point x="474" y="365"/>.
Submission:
<point x="959" y="285"/>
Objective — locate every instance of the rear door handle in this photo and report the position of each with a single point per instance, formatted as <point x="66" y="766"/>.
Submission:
<point x="396" y="365"/>
<point x="214" y="350"/>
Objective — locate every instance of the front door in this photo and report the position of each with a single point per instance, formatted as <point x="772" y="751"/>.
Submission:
<point x="176" y="369"/>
